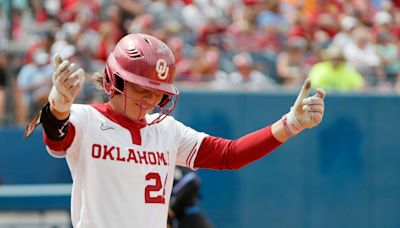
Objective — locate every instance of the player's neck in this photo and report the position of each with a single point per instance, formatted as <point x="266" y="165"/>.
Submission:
<point x="119" y="106"/>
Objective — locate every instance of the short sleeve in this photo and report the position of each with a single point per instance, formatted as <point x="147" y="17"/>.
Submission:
<point x="189" y="144"/>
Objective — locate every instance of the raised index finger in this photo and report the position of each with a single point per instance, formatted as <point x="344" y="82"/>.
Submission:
<point x="305" y="91"/>
<point x="57" y="60"/>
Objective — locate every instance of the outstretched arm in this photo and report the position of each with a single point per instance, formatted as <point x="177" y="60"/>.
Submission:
<point x="58" y="132"/>
<point x="219" y="153"/>
<point x="67" y="82"/>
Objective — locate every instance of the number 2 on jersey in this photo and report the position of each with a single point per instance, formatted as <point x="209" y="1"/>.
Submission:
<point x="154" y="188"/>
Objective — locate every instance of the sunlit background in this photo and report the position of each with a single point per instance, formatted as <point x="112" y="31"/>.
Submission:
<point x="239" y="65"/>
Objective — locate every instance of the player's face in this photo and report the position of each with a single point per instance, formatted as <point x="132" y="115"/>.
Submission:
<point x="141" y="101"/>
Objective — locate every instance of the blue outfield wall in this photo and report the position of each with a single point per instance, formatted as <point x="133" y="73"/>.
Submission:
<point x="345" y="173"/>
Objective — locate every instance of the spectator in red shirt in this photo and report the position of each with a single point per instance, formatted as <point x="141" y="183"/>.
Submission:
<point x="212" y="34"/>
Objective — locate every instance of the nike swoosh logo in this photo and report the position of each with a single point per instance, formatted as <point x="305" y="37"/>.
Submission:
<point x="61" y="130"/>
<point x="104" y="127"/>
<point x="61" y="133"/>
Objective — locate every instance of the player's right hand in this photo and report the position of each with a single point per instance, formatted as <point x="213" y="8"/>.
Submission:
<point x="67" y="82"/>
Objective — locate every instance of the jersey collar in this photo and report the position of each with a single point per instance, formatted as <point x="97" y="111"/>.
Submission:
<point x="131" y="125"/>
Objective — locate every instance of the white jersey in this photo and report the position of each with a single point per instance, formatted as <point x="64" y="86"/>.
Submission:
<point x="123" y="178"/>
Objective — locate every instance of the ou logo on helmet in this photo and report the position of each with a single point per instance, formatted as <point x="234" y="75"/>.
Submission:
<point x="162" y="69"/>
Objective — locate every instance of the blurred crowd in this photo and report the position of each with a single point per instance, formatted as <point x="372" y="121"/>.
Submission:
<point x="254" y="45"/>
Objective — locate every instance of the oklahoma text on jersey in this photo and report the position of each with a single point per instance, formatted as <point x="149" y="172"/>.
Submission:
<point x="114" y="153"/>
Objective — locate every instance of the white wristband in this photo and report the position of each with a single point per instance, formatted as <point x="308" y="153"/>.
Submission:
<point x="58" y="101"/>
<point x="293" y="124"/>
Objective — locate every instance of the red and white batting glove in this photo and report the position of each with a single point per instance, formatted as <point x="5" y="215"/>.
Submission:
<point x="67" y="82"/>
<point x="307" y="111"/>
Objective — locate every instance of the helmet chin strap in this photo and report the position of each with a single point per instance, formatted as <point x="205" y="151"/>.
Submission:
<point x="140" y="109"/>
<point x="126" y="96"/>
<point x="164" y="111"/>
<point x="124" y="114"/>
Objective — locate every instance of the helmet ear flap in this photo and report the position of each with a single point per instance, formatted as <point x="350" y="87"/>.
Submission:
<point x="164" y="100"/>
<point x="119" y="83"/>
<point x="108" y="82"/>
<point x="112" y="83"/>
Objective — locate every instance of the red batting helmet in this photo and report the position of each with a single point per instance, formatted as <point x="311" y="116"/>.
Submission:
<point x="144" y="61"/>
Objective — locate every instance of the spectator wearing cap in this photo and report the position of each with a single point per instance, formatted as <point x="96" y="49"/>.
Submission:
<point x="334" y="74"/>
<point x="347" y="25"/>
<point x="382" y="19"/>
<point x="363" y="56"/>
<point x="246" y="76"/>
<point x="384" y="23"/>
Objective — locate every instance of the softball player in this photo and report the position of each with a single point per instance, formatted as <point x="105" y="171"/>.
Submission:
<point x="122" y="158"/>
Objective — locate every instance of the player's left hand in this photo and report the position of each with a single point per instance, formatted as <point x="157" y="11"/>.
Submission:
<point x="307" y="111"/>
